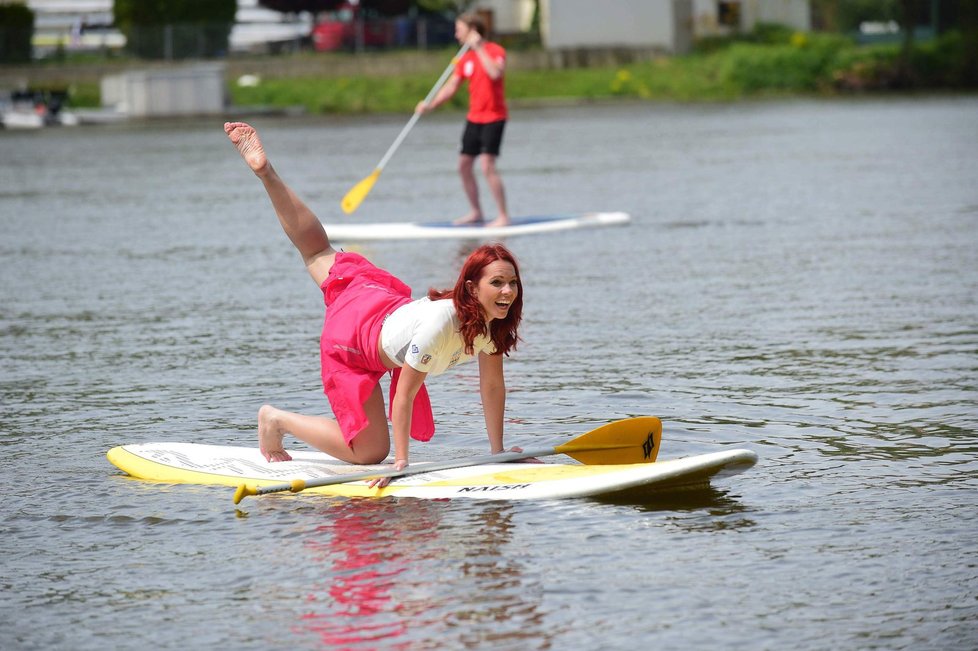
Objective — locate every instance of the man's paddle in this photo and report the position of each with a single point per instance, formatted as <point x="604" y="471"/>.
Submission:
<point x="632" y="440"/>
<point x="358" y="192"/>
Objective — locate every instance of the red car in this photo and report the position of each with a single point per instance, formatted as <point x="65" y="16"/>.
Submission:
<point x="348" y="28"/>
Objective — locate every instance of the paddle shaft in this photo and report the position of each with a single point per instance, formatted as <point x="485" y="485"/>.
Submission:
<point x="414" y="118"/>
<point x="632" y="440"/>
<point x="503" y="457"/>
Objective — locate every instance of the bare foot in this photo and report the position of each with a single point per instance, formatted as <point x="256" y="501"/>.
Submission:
<point x="499" y="221"/>
<point x="471" y="219"/>
<point x="270" y="435"/>
<point x="245" y="138"/>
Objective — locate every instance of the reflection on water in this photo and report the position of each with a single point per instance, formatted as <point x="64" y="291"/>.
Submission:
<point x="363" y="561"/>
<point x="376" y="588"/>
<point x="720" y="509"/>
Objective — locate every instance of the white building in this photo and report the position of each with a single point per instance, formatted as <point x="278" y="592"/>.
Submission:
<point x="664" y="24"/>
<point x="508" y="16"/>
<point x="77" y="25"/>
<point x="671" y="25"/>
<point x="725" y="17"/>
<point x="258" y="29"/>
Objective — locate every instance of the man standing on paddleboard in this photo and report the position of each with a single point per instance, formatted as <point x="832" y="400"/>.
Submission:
<point x="483" y="66"/>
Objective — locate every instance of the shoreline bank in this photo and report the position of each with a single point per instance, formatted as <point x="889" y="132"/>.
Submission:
<point x="771" y="64"/>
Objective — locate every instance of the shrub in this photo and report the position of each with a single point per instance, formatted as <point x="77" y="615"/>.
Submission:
<point x="802" y="66"/>
<point x="16" y="31"/>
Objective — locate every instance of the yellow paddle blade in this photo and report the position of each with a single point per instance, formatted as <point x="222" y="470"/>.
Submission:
<point x="358" y="192"/>
<point x="632" y="440"/>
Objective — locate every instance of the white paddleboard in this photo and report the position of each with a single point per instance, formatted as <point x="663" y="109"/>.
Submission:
<point x="447" y="230"/>
<point x="193" y="463"/>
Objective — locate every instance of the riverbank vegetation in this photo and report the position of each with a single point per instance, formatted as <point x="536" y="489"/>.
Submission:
<point x="770" y="62"/>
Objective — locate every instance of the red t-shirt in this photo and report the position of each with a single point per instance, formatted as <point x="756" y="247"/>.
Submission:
<point x="487" y="102"/>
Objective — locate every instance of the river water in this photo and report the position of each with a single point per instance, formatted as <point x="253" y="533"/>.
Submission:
<point x="799" y="279"/>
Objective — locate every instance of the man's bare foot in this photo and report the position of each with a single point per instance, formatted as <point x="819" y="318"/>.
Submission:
<point x="270" y="435"/>
<point x="499" y="221"/>
<point x="471" y="219"/>
<point x="245" y="138"/>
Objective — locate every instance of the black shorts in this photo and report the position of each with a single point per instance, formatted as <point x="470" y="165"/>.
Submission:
<point x="482" y="138"/>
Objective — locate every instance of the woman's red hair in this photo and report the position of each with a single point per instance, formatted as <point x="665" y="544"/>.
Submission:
<point x="472" y="319"/>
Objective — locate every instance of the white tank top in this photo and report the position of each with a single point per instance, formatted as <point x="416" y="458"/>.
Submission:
<point x="424" y="335"/>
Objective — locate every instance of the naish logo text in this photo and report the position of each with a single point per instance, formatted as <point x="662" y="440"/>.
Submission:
<point x="649" y="446"/>
<point x="485" y="489"/>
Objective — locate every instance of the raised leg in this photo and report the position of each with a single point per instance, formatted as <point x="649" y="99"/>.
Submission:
<point x="299" y="223"/>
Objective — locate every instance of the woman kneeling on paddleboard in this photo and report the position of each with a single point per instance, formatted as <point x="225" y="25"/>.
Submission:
<point x="373" y="327"/>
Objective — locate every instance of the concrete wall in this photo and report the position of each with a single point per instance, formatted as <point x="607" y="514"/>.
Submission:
<point x="660" y="24"/>
<point x="179" y="91"/>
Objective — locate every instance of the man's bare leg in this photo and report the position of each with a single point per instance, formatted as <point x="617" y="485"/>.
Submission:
<point x="466" y="171"/>
<point x="495" y="183"/>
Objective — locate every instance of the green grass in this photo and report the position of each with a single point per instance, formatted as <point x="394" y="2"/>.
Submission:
<point x="770" y="62"/>
<point x="84" y="95"/>
<point x="682" y="79"/>
<point x="337" y="94"/>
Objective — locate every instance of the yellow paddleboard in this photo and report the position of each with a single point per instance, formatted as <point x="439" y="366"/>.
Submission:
<point x="193" y="463"/>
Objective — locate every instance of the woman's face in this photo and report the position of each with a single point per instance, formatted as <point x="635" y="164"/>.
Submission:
<point x="496" y="290"/>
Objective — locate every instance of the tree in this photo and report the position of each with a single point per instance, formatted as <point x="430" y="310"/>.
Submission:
<point x="382" y="7"/>
<point x="968" y="25"/>
<point x="453" y="6"/>
<point x="388" y="7"/>
<point x="16" y="30"/>
<point x="157" y="29"/>
<point x="297" y="6"/>
<point x="909" y="13"/>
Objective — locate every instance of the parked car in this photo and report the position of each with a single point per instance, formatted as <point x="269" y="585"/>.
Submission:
<point x="350" y="27"/>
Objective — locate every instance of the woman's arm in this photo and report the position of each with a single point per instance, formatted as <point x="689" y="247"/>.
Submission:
<point x="492" y="387"/>
<point x="443" y="95"/>
<point x="408" y="385"/>
<point x="493" y="67"/>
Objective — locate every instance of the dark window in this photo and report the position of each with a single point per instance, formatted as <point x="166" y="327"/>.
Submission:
<point x="728" y="13"/>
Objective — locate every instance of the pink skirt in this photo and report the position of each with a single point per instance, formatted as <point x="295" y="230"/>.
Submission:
<point x="358" y="297"/>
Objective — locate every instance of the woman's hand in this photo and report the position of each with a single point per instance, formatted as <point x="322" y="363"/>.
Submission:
<point x="474" y="39"/>
<point x="380" y="482"/>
